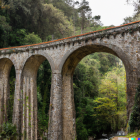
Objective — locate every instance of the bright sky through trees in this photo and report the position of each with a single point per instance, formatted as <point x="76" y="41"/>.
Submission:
<point x="112" y="11"/>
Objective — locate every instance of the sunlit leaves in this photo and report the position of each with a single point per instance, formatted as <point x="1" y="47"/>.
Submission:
<point x="105" y="109"/>
<point x="5" y="28"/>
<point x="112" y="100"/>
<point x="32" y="39"/>
<point x="58" y="19"/>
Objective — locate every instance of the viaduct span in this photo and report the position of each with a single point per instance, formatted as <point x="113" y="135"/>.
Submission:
<point x="63" y="56"/>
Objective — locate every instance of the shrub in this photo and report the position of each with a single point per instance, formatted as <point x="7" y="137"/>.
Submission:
<point x="8" y="131"/>
<point x="134" y="121"/>
<point x="32" y="38"/>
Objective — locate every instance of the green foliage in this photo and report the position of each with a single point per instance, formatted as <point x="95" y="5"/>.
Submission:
<point x="43" y="96"/>
<point x="128" y="20"/>
<point x="20" y="37"/>
<point x="42" y="122"/>
<point x="134" y="121"/>
<point x="61" y="26"/>
<point x="32" y="39"/>
<point x="85" y="125"/>
<point x="100" y="98"/>
<point x="12" y="91"/>
<point x="16" y="38"/>
<point x="5" y="28"/>
<point x="133" y="135"/>
<point x="85" y="14"/>
<point x="8" y="131"/>
<point x="105" y="111"/>
<point x="44" y="18"/>
<point x="113" y="87"/>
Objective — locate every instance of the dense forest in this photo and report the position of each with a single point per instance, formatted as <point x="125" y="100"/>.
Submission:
<point x="99" y="80"/>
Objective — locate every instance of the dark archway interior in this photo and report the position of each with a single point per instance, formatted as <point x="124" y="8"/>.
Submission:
<point x="43" y="96"/>
<point x="7" y="86"/>
<point x="12" y="79"/>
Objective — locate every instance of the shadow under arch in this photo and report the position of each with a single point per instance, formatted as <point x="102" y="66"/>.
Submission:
<point x="29" y="97"/>
<point x="5" y="68"/>
<point x="67" y="67"/>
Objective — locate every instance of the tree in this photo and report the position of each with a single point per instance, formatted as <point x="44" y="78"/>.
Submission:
<point x="128" y="20"/>
<point x="44" y="18"/>
<point x="61" y="26"/>
<point x="32" y="39"/>
<point x="136" y="15"/>
<point x="113" y="87"/>
<point x="85" y="13"/>
<point x="134" y="121"/>
<point x="85" y="123"/>
<point x="4" y="4"/>
<point x="43" y="96"/>
<point x="64" y="5"/>
<point x="5" y="28"/>
<point x="105" y="110"/>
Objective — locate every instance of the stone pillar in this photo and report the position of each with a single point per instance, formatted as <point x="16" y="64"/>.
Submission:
<point x="69" y="123"/>
<point x="55" y="111"/>
<point x="29" y="108"/>
<point x="17" y="102"/>
<point x="132" y="83"/>
<point x="4" y="95"/>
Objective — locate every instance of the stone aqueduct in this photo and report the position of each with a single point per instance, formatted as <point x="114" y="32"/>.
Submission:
<point x="63" y="56"/>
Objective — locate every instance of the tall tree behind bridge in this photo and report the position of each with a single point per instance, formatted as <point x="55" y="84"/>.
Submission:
<point x="43" y="17"/>
<point x="136" y="15"/>
<point x="85" y="13"/>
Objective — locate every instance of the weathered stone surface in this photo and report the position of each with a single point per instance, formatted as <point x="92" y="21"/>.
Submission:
<point x="17" y="102"/>
<point x="55" y="112"/>
<point x="5" y="67"/>
<point x="63" y="56"/>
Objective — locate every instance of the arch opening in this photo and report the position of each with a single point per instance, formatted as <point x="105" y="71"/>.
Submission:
<point x="12" y="91"/>
<point x="69" y="63"/>
<point x="7" y="90"/>
<point x="77" y="55"/>
<point x="36" y="80"/>
<point x="43" y="97"/>
<point x="99" y="84"/>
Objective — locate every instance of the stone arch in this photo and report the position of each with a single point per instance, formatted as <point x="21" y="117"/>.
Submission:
<point x="5" y="68"/>
<point x="12" y="59"/>
<point x="45" y="55"/>
<point x="67" y="67"/>
<point x="113" y="49"/>
<point x="29" y="96"/>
